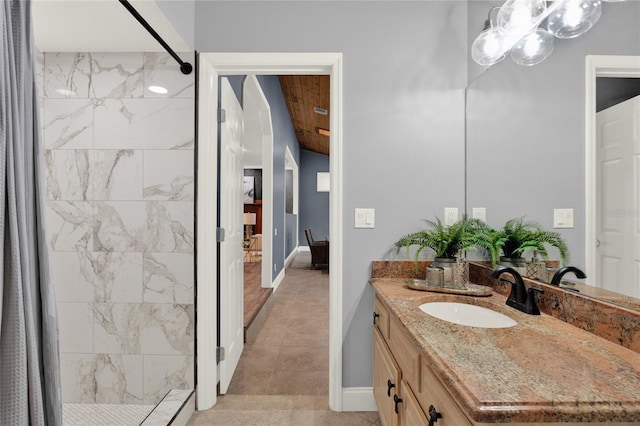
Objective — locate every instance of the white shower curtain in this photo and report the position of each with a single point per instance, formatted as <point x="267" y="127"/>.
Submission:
<point x="29" y="356"/>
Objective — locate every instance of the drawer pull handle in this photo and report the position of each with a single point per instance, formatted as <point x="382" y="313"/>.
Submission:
<point x="390" y="386"/>
<point x="433" y="415"/>
<point x="375" y="315"/>
<point x="397" y="400"/>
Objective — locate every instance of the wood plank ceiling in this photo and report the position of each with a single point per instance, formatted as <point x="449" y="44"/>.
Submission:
<point x="305" y="95"/>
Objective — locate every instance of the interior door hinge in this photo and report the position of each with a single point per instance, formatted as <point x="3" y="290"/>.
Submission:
<point x="219" y="235"/>
<point x="223" y="115"/>
<point x="219" y="354"/>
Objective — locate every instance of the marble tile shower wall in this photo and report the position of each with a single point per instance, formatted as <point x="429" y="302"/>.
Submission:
<point x="120" y="181"/>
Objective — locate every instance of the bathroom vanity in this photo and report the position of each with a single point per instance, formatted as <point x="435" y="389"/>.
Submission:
<point x="542" y="370"/>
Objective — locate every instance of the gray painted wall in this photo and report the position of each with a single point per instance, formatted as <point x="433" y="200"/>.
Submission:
<point x="181" y="13"/>
<point x="283" y="136"/>
<point x="314" y="205"/>
<point x="525" y="129"/>
<point x="405" y="70"/>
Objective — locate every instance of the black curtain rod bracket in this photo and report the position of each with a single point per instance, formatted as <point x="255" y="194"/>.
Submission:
<point x="185" y="67"/>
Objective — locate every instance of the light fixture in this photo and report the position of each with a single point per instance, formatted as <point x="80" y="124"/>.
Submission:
<point x="249" y="221"/>
<point x="574" y="18"/>
<point x="487" y="49"/>
<point x="518" y="29"/>
<point x="533" y="48"/>
<point x="517" y="17"/>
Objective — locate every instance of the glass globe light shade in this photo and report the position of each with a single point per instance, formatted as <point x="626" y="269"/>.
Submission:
<point x="574" y="18"/>
<point x="517" y="17"/>
<point x="533" y="48"/>
<point x="487" y="48"/>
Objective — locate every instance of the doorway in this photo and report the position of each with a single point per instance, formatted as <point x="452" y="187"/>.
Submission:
<point x="598" y="247"/>
<point x="211" y="65"/>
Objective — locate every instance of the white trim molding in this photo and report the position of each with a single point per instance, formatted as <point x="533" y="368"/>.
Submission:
<point x="358" y="399"/>
<point x="210" y="66"/>
<point x="598" y="66"/>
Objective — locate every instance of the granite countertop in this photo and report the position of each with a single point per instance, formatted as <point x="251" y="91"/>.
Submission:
<point x="541" y="370"/>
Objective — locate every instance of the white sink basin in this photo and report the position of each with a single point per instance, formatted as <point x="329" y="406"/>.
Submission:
<point x="469" y="315"/>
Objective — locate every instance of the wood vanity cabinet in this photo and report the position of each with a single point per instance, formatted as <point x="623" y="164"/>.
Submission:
<point x="406" y="391"/>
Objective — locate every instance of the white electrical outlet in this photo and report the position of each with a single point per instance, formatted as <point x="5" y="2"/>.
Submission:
<point x="450" y="215"/>
<point x="274" y="267"/>
<point x="275" y="232"/>
<point x="563" y="218"/>
<point x="479" y="213"/>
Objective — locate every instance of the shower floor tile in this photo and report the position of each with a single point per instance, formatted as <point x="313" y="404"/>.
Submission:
<point x="104" y="414"/>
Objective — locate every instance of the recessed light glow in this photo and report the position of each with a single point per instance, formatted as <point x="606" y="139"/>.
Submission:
<point x="158" y="89"/>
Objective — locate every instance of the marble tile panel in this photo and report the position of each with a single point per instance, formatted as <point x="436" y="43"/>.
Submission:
<point x="116" y="75"/>
<point x="120" y="226"/>
<point x="116" y="174"/>
<point x="102" y="378"/>
<point x="67" y="174"/>
<point x="70" y="225"/>
<point x="116" y="328"/>
<point x="118" y="277"/>
<point x="73" y="276"/>
<point x="165" y="372"/>
<point x="67" y="75"/>
<point x="76" y="327"/>
<point x="170" y="227"/>
<point x="169" y="175"/>
<point x="168" y="278"/>
<point x="40" y="74"/>
<point x="167" y="329"/>
<point x="68" y="123"/>
<point x="160" y="69"/>
<point x="144" y="124"/>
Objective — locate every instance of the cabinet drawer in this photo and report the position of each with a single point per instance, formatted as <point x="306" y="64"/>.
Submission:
<point x="382" y="319"/>
<point x="433" y="393"/>
<point x="406" y="354"/>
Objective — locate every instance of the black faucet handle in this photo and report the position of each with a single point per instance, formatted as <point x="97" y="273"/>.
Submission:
<point x="531" y="307"/>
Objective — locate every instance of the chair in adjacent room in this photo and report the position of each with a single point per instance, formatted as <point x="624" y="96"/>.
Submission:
<point x="319" y="250"/>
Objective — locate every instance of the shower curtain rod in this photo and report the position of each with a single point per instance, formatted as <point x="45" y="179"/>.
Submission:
<point x="185" y="67"/>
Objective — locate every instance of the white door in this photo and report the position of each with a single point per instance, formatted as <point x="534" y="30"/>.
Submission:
<point x="617" y="198"/>
<point x="231" y="252"/>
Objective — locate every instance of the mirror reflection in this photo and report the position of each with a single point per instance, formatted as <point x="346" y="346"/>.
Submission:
<point x="532" y="147"/>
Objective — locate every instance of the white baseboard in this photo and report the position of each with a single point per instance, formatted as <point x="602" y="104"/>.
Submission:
<point x="358" y="399"/>
<point x="303" y="248"/>
<point x="278" y="280"/>
<point x="290" y="258"/>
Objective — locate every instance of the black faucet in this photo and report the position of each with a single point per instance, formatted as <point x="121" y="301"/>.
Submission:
<point x="560" y="273"/>
<point x="521" y="298"/>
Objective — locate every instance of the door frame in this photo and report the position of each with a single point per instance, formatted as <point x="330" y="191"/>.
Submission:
<point x="598" y="66"/>
<point x="211" y="65"/>
<point x="267" y="180"/>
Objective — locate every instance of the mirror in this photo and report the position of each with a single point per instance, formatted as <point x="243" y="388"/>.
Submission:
<point x="526" y="139"/>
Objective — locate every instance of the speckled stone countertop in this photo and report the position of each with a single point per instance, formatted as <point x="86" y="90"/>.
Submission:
<point x="541" y="370"/>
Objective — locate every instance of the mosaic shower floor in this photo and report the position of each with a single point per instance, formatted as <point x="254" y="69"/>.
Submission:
<point x="104" y="414"/>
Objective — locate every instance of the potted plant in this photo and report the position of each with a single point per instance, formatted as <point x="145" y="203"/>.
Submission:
<point x="516" y="236"/>
<point x="445" y="241"/>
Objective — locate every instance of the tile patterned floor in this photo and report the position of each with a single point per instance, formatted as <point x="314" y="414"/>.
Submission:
<point x="104" y="414"/>
<point x="282" y="376"/>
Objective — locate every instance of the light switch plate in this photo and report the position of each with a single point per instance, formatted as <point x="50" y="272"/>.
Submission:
<point x="365" y="218"/>
<point x="479" y="213"/>
<point x="563" y="218"/>
<point x="450" y="215"/>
